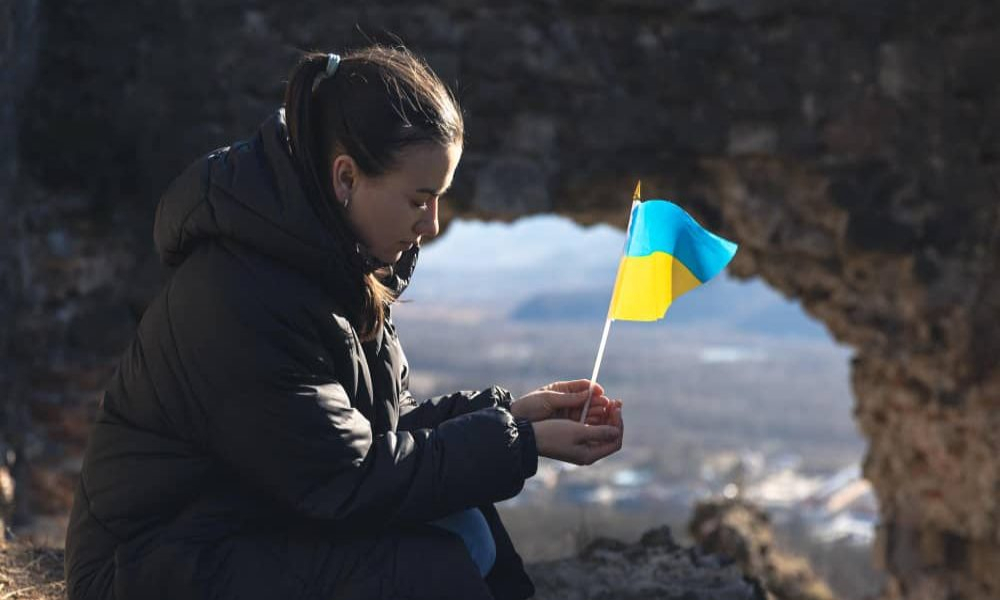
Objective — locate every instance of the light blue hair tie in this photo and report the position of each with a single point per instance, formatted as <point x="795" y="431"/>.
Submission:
<point x="332" y="62"/>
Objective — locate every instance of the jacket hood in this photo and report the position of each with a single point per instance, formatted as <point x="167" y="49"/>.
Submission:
<point x="250" y="193"/>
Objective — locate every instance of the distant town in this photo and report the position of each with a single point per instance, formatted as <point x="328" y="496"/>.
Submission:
<point x="836" y="507"/>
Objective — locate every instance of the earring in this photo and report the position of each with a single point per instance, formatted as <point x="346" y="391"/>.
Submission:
<point x="347" y="200"/>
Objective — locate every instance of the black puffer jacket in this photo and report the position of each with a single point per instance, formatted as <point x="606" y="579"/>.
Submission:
<point x="250" y="446"/>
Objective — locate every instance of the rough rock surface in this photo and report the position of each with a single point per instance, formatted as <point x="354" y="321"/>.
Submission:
<point x="653" y="567"/>
<point x="743" y="532"/>
<point x="851" y="147"/>
<point x="31" y="573"/>
<point x="18" y="51"/>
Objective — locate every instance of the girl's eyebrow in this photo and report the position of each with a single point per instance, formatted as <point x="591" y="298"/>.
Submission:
<point x="432" y="192"/>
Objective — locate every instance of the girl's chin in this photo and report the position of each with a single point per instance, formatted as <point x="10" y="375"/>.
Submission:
<point x="390" y="257"/>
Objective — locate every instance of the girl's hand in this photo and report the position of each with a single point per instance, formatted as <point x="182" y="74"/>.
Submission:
<point x="563" y="400"/>
<point x="577" y="443"/>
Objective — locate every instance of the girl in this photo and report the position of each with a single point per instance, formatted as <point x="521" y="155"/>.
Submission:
<point x="258" y="439"/>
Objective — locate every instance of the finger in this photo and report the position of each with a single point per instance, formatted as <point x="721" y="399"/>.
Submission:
<point x="613" y="420"/>
<point x="600" y="400"/>
<point x="619" y="422"/>
<point x="599" y="407"/>
<point x="578" y="385"/>
<point x="577" y="399"/>
<point x="615" y="417"/>
<point x="599" y="414"/>
<point x="598" y="388"/>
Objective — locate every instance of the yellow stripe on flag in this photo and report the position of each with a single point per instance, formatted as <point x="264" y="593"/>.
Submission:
<point x="647" y="285"/>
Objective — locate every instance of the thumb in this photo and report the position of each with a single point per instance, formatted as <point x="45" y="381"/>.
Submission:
<point x="570" y="399"/>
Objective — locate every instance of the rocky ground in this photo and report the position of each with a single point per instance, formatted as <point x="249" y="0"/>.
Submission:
<point x="736" y="559"/>
<point x="654" y="567"/>
<point x="28" y="573"/>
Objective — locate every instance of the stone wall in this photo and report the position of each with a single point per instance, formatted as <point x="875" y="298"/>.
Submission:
<point x="851" y="147"/>
<point x="19" y="26"/>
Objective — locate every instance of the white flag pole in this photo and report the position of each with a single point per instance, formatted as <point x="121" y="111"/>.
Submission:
<point x="608" y="320"/>
<point x="597" y="367"/>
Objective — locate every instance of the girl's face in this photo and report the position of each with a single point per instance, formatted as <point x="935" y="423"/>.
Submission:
<point x="397" y="209"/>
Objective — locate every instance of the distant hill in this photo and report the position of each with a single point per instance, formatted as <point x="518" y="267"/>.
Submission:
<point x="725" y="304"/>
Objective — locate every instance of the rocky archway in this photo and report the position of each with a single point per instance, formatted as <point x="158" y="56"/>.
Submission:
<point x="853" y="148"/>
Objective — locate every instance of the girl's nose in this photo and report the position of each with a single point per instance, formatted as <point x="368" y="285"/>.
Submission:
<point x="428" y="224"/>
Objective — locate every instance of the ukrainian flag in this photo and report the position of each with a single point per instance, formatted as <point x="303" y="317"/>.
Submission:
<point x="667" y="253"/>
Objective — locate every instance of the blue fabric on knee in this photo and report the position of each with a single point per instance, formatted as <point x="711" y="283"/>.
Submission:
<point x="471" y="525"/>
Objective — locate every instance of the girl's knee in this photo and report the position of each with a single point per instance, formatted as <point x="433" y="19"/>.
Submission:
<point x="441" y="556"/>
<point x="471" y="526"/>
<point x="488" y="559"/>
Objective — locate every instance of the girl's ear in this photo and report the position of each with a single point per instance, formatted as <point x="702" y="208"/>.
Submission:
<point x="345" y="176"/>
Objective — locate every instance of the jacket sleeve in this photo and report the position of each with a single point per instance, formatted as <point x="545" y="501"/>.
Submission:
<point x="278" y="416"/>
<point x="434" y="411"/>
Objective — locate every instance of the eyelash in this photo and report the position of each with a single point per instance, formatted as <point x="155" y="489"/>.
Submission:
<point x="417" y="204"/>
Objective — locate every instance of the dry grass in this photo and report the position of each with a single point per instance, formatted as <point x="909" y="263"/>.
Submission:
<point x="28" y="573"/>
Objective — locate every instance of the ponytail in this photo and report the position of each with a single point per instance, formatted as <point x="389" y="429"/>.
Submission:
<point x="366" y="301"/>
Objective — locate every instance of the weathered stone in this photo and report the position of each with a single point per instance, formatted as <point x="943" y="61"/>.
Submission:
<point x="511" y="185"/>
<point x="654" y="567"/>
<point x="742" y="532"/>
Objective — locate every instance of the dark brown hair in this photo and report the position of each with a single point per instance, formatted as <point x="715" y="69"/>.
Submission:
<point x="378" y="101"/>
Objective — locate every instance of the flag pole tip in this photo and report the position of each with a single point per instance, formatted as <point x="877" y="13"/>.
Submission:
<point x="637" y="193"/>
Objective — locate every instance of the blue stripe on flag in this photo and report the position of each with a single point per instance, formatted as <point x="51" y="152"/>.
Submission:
<point x="660" y="225"/>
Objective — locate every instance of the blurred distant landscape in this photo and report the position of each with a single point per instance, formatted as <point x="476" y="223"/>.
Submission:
<point x="736" y="391"/>
<point x="733" y="366"/>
